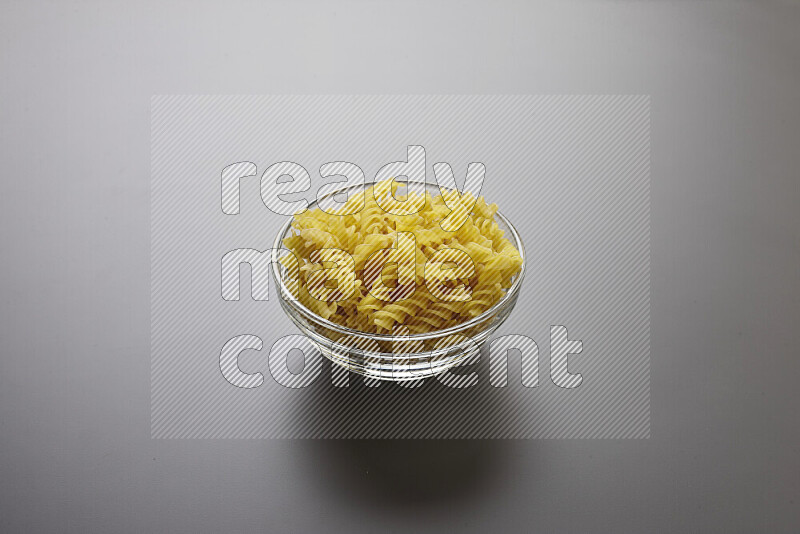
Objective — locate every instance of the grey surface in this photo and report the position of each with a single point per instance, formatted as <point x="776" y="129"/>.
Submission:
<point x="75" y="453"/>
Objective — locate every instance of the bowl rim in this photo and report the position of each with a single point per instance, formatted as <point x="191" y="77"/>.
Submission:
<point x="313" y="317"/>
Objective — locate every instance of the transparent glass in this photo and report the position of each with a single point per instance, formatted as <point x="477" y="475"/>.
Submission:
<point x="396" y="358"/>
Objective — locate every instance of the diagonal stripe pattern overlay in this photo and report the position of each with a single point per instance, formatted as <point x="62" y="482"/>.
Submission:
<point x="571" y="172"/>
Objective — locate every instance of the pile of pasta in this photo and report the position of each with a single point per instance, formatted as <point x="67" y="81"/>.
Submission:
<point x="380" y="268"/>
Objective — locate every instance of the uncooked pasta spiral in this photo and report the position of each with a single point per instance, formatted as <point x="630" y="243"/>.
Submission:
<point x="391" y="266"/>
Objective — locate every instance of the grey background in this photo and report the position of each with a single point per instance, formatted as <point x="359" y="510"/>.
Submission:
<point x="75" y="452"/>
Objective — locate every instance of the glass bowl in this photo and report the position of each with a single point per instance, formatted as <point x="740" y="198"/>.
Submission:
<point x="392" y="357"/>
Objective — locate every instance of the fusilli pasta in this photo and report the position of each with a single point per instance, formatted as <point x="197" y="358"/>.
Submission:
<point x="375" y="271"/>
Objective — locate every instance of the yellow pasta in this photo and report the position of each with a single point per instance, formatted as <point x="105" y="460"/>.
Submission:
<point x="381" y="272"/>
